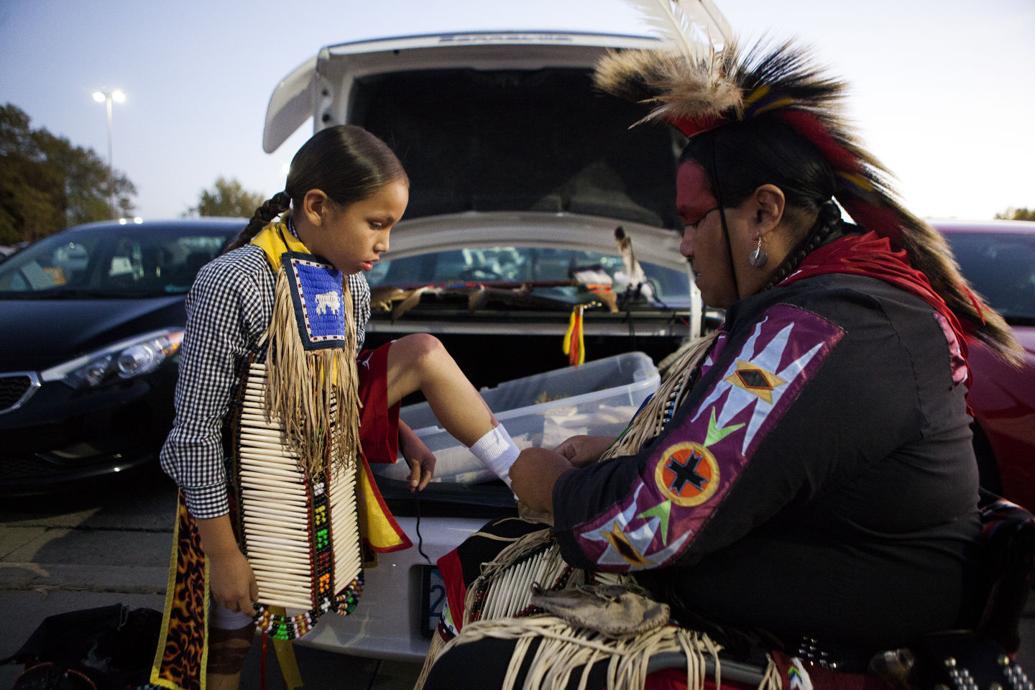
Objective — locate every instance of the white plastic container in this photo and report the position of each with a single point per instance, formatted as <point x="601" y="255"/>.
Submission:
<point x="597" y="398"/>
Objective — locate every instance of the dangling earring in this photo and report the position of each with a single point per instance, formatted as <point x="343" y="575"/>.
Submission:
<point x="759" y="256"/>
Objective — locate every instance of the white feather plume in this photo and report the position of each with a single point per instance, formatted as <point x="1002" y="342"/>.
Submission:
<point x="670" y="23"/>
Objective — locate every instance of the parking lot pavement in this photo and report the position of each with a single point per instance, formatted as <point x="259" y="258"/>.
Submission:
<point x="102" y="547"/>
<point x="110" y="545"/>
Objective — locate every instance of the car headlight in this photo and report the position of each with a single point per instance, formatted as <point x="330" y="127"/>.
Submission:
<point x="124" y="360"/>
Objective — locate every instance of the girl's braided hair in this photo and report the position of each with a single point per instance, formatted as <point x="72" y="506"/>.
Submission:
<point x="346" y="162"/>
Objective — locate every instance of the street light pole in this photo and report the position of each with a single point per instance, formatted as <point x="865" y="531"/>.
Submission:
<point x="107" y="97"/>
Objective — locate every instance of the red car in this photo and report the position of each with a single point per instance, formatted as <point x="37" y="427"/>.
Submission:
<point x="998" y="258"/>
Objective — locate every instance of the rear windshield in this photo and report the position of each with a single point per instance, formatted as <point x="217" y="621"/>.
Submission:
<point x="1001" y="267"/>
<point x="527" y="266"/>
<point x="122" y="261"/>
<point x="520" y="140"/>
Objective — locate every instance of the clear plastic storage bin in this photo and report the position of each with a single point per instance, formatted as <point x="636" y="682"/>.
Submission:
<point x="597" y="398"/>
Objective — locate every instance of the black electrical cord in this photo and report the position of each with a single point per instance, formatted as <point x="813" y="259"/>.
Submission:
<point x="373" y="676"/>
<point x="420" y="538"/>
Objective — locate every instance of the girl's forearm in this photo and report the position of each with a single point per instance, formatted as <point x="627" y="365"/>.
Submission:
<point x="217" y="536"/>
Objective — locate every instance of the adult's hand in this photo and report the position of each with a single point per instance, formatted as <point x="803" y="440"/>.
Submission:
<point x="419" y="457"/>
<point x="584" y="450"/>
<point x="533" y="475"/>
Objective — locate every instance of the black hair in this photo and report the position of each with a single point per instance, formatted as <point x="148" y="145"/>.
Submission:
<point x="760" y="152"/>
<point x="346" y="162"/>
<point x="740" y="157"/>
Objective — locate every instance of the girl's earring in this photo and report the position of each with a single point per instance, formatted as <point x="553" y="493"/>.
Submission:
<point x="758" y="258"/>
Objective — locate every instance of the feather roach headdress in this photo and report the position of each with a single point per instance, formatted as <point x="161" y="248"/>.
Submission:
<point x="697" y="88"/>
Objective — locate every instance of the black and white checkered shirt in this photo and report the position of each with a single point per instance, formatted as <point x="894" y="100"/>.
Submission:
<point x="229" y="308"/>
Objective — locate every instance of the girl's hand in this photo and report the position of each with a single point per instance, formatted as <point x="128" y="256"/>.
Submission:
<point x="420" y="459"/>
<point x="233" y="582"/>
<point x="533" y="475"/>
<point x="584" y="450"/>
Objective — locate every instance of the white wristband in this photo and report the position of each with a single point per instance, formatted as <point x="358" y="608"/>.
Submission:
<point x="497" y="451"/>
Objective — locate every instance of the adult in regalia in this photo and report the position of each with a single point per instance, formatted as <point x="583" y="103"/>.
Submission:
<point x="803" y="480"/>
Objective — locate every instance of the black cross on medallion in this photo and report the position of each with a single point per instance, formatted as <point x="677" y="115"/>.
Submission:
<point x="686" y="473"/>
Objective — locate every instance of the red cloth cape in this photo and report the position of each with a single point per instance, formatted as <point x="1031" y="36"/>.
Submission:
<point x="871" y="255"/>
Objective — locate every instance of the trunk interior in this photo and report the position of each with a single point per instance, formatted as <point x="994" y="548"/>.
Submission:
<point x="540" y="140"/>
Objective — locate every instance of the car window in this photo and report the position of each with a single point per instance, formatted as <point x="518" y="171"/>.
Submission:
<point x="48" y="265"/>
<point x="1001" y="267"/>
<point x="521" y="265"/>
<point x="106" y="261"/>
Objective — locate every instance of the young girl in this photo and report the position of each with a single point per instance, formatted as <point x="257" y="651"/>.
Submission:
<point x="345" y="192"/>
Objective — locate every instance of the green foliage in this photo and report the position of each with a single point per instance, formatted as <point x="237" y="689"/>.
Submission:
<point x="226" y="198"/>
<point x="1016" y="214"/>
<point x="47" y="183"/>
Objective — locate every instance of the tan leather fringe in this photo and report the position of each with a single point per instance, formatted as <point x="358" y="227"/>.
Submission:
<point x="565" y="650"/>
<point x="499" y="575"/>
<point x="314" y="393"/>
<point x="434" y="650"/>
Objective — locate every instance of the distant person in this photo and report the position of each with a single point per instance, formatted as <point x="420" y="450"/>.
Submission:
<point x="345" y="192"/>
<point x="804" y="481"/>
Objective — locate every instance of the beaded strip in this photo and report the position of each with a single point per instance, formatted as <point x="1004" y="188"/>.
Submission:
<point x="292" y="627"/>
<point x="321" y="562"/>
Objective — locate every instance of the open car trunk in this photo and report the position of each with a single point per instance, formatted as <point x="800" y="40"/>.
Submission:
<point x="520" y="172"/>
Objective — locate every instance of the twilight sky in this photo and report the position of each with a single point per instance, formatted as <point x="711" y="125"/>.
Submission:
<point x="941" y="90"/>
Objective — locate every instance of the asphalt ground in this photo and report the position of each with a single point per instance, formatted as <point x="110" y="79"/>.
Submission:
<point x="109" y="543"/>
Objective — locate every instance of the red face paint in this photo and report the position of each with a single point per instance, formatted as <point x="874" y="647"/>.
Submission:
<point x="694" y="196"/>
<point x="703" y="241"/>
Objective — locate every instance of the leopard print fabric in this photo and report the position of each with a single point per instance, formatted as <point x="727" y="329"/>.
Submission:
<point x="182" y="651"/>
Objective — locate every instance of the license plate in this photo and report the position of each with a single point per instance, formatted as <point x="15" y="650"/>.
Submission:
<point x="432" y="599"/>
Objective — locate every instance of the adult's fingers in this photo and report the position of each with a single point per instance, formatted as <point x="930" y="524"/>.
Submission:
<point x="567" y="449"/>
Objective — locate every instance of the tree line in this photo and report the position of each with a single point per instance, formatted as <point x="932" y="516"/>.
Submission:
<point x="47" y="183"/>
<point x="1016" y="214"/>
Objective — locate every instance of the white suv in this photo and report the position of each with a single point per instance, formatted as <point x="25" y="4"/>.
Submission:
<point x="520" y="174"/>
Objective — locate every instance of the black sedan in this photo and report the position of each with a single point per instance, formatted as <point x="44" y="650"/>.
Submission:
<point x="91" y="321"/>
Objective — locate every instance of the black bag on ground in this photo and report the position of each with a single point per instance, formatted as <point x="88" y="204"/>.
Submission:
<point x="107" y="648"/>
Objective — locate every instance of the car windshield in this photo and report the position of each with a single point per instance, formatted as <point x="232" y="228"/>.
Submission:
<point x="1001" y="267"/>
<point x="526" y="265"/>
<point x="130" y="261"/>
